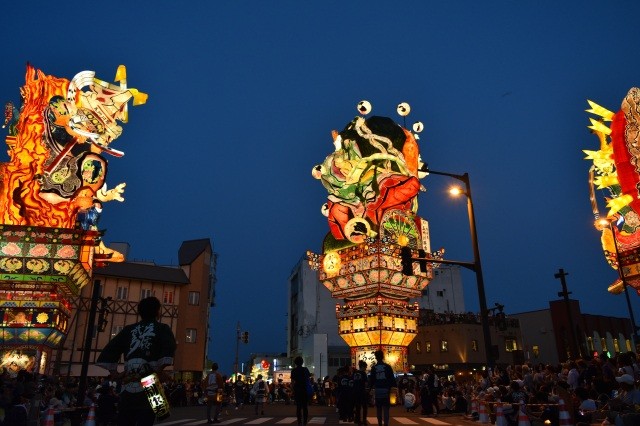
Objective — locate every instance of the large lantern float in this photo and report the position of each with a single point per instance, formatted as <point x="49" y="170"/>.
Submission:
<point x="373" y="179"/>
<point x="616" y="169"/>
<point x="52" y="191"/>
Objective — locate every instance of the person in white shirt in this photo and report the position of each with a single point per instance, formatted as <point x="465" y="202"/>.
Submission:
<point x="573" y="376"/>
<point x="409" y="401"/>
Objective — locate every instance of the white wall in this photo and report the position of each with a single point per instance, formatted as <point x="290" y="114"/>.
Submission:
<point x="444" y="293"/>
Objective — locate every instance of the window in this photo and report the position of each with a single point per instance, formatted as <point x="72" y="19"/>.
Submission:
<point x="440" y="293"/>
<point x="474" y="345"/>
<point x="628" y="342"/>
<point x="427" y="346"/>
<point x="191" y="335"/>
<point x="168" y="298"/>
<point x="145" y="292"/>
<point x="603" y="343"/>
<point x="115" y="330"/>
<point x="536" y="351"/>
<point x="121" y="293"/>
<point x="510" y="345"/>
<point x="444" y="346"/>
<point x="616" y="346"/>
<point x="194" y="297"/>
<point x="418" y="348"/>
<point x="592" y="348"/>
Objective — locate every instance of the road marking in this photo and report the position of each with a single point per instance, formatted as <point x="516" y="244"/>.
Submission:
<point x="405" y="421"/>
<point x="236" y="420"/>
<point x="259" y="421"/>
<point x="434" y="421"/>
<point x="317" y="420"/>
<point x="197" y="422"/>
<point x="173" y="422"/>
<point x="287" y="420"/>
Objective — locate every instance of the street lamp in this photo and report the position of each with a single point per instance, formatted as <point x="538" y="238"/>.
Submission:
<point x="476" y="266"/>
<point x="600" y="224"/>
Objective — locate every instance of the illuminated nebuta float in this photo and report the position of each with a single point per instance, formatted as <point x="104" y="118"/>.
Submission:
<point x="616" y="169"/>
<point x="51" y="195"/>
<point x="373" y="179"/>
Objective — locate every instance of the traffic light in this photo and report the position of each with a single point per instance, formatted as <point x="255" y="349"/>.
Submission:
<point x="102" y="321"/>
<point x="245" y="337"/>
<point x="423" y="261"/>
<point x="407" y="262"/>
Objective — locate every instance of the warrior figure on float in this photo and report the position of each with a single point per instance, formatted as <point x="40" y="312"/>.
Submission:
<point x="56" y="173"/>
<point x="616" y="169"/>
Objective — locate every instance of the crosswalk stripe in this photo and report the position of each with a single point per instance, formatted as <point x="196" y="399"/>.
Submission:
<point x="405" y="421"/>
<point x="317" y="420"/>
<point x="173" y="422"/>
<point x="434" y="421"/>
<point x="259" y="421"/>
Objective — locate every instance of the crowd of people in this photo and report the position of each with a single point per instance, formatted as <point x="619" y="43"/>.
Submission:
<point x="579" y="391"/>
<point x="599" y="390"/>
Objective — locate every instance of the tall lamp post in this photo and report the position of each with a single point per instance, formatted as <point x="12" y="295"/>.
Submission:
<point x="476" y="266"/>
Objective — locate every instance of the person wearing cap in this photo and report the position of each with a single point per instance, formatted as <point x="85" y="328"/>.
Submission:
<point x="622" y="407"/>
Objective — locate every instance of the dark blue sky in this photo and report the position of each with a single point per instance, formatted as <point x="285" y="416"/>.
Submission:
<point x="243" y="96"/>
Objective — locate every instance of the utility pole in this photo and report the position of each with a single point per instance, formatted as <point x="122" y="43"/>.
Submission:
<point x="82" y="385"/>
<point x="235" y="365"/>
<point x="574" y="347"/>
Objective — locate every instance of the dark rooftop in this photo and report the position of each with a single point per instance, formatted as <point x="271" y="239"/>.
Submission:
<point x="189" y="250"/>
<point x="144" y="271"/>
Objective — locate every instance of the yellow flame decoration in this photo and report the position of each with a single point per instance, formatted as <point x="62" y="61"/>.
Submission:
<point x="600" y="111"/>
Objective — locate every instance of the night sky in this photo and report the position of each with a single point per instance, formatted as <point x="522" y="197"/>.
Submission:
<point x="243" y="96"/>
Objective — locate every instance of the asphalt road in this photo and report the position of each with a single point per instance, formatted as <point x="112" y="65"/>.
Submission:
<point x="282" y="414"/>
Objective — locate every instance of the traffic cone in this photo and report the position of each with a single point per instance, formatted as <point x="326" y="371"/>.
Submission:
<point x="523" y="419"/>
<point x="49" y="417"/>
<point x="500" y="419"/>
<point x="91" y="417"/>
<point x="564" y="417"/>
<point x="483" y="417"/>
<point x="474" y="405"/>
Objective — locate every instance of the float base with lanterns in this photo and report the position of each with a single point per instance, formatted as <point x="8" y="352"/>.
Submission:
<point x="377" y="313"/>
<point x="41" y="269"/>
<point x="378" y="324"/>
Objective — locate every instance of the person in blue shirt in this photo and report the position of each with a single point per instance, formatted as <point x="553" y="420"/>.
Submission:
<point x="381" y="380"/>
<point x="360" y="393"/>
<point x="300" y="381"/>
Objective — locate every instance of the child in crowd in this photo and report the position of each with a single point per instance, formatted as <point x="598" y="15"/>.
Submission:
<point x="410" y="402"/>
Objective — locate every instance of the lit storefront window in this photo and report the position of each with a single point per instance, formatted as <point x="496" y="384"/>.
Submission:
<point x="510" y="345"/>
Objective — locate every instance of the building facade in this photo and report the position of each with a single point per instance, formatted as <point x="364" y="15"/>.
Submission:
<point x="454" y="344"/>
<point x="185" y="291"/>
<point x="548" y="333"/>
